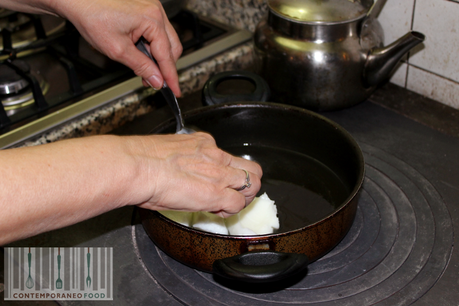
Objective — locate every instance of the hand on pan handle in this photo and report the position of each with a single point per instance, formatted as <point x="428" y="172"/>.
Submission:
<point x="190" y="173"/>
<point x="114" y="26"/>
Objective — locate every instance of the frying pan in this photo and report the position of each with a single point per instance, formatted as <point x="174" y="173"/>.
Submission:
<point x="312" y="168"/>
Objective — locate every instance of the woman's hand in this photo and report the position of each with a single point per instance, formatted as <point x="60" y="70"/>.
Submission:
<point x="58" y="184"/>
<point x="114" y="26"/>
<point x="189" y="172"/>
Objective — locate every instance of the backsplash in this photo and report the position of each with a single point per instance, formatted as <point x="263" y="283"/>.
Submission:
<point x="242" y="14"/>
<point x="431" y="69"/>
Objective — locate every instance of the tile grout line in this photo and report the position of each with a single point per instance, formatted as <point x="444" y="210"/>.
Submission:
<point x="409" y="65"/>
<point x="409" y="53"/>
<point x="433" y="73"/>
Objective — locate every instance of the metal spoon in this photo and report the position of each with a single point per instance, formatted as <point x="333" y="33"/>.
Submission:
<point x="167" y="93"/>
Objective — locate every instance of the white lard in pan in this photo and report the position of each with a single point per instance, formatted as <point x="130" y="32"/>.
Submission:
<point x="258" y="218"/>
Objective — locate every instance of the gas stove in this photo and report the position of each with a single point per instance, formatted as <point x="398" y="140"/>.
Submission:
<point x="49" y="74"/>
<point x="399" y="251"/>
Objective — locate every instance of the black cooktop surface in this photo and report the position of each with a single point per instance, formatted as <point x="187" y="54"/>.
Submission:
<point x="399" y="250"/>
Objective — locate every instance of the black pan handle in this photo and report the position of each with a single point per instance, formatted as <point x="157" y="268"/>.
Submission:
<point x="260" y="266"/>
<point x="210" y="96"/>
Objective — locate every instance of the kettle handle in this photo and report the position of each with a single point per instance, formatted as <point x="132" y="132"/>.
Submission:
<point x="210" y="96"/>
<point x="375" y="8"/>
<point x="260" y="266"/>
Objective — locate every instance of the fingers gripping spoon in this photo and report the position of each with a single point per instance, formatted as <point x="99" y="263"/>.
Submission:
<point x="167" y="93"/>
<point x="59" y="280"/>
<point x="29" y="283"/>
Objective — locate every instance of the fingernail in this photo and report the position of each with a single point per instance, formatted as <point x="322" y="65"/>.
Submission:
<point x="155" y="82"/>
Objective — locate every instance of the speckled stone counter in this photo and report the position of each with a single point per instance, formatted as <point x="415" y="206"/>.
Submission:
<point x="241" y="14"/>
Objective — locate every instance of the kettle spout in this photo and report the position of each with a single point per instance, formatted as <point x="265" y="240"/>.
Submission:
<point x="381" y="61"/>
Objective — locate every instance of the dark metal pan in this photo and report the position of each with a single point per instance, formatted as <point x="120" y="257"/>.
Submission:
<point x="313" y="169"/>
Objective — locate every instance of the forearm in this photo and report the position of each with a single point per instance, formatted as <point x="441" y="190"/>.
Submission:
<point x="30" y="6"/>
<point x="55" y="185"/>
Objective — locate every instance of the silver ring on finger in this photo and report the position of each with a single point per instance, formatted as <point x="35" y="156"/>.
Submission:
<point x="247" y="183"/>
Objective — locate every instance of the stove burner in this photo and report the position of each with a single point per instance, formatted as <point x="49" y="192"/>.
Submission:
<point x="396" y="250"/>
<point x="10" y="81"/>
<point x="15" y="91"/>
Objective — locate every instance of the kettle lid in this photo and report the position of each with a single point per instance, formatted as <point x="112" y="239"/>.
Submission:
<point x="320" y="11"/>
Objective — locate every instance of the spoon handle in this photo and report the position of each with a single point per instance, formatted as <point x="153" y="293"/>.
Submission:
<point x="172" y="101"/>
<point x="166" y="91"/>
<point x="141" y="46"/>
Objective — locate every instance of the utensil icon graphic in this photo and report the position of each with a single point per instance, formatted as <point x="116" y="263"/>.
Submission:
<point x="29" y="283"/>
<point x="88" y="279"/>
<point x="59" y="281"/>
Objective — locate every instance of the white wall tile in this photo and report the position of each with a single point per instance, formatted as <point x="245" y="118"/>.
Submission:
<point x="439" y="21"/>
<point x="437" y="57"/>
<point x="399" y="75"/>
<point x="395" y="19"/>
<point x="433" y="86"/>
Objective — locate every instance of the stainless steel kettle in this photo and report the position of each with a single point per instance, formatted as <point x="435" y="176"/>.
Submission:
<point x="325" y="54"/>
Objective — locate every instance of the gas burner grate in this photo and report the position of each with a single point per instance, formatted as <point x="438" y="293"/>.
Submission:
<point x="396" y="250"/>
<point x="193" y="32"/>
<point x="62" y="49"/>
<point x="21" y="31"/>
